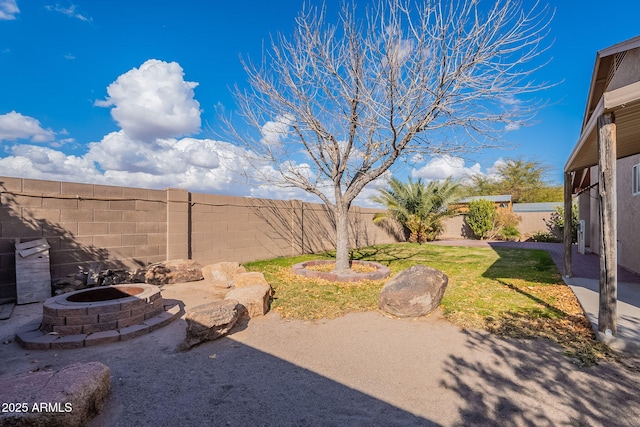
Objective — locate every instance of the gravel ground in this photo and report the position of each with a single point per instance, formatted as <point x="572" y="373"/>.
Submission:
<point x="361" y="369"/>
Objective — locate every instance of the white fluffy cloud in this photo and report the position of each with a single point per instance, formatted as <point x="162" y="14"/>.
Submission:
<point x="439" y="168"/>
<point x="154" y="101"/>
<point x="153" y="105"/>
<point x="8" y="10"/>
<point x="14" y="126"/>
<point x="33" y="161"/>
<point x="273" y="132"/>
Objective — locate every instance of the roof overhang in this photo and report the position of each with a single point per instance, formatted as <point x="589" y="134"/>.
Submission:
<point x="623" y="102"/>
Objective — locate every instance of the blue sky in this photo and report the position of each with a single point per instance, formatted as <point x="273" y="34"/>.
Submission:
<point x="74" y="74"/>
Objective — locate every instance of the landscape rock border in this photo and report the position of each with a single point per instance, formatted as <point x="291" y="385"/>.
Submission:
<point x="382" y="272"/>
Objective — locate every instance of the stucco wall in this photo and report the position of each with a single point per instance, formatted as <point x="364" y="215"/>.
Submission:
<point x="530" y="223"/>
<point x="628" y="216"/>
<point x="594" y="223"/>
<point x="627" y="72"/>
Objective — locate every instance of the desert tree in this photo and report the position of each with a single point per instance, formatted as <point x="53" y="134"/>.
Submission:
<point x="335" y="105"/>
<point x="525" y="180"/>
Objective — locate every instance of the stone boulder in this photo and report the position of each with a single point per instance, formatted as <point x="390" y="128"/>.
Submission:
<point x="221" y="274"/>
<point x="252" y="278"/>
<point x="69" y="397"/>
<point x="414" y="292"/>
<point x="208" y="322"/>
<point x="252" y="300"/>
<point x="174" y="271"/>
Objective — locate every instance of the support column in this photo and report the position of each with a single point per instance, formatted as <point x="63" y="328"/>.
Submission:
<point x="568" y="220"/>
<point x="607" y="314"/>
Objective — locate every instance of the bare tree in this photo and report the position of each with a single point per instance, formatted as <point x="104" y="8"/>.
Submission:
<point x="335" y="105"/>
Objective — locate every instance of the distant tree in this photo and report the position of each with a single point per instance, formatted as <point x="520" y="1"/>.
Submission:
<point x="481" y="218"/>
<point x="525" y="180"/>
<point x="335" y="106"/>
<point x="419" y="208"/>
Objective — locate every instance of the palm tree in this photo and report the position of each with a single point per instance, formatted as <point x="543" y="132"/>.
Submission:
<point x="419" y="208"/>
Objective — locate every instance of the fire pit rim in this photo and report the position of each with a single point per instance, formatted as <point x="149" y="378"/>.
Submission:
<point x="147" y="291"/>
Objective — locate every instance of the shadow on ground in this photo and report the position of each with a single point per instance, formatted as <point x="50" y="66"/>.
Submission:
<point x="229" y="383"/>
<point x="529" y="383"/>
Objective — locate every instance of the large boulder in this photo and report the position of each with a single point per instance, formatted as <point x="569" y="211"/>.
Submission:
<point x="210" y="321"/>
<point x="69" y="397"/>
<point x="414" y="292"/>
<point x="221" y="274"/>
<point x="251" y="278"/>
<point x="174" y="271"/>
<point x="252" y="300"/>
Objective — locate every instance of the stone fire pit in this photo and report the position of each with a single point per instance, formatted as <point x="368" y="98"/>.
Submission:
<point x="99" y="315"/>
<point x="105" y="308"/>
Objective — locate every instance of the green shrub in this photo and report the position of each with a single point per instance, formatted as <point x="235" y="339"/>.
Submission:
<point x="481" y="218"/>
<point x="510" y="233"/>
<point x="543" y="236"/>
<point x="506" y="227"/>
<point x="555" y="224"/>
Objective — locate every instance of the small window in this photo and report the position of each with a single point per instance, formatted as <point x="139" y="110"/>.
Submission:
<point x="635" y="180"/>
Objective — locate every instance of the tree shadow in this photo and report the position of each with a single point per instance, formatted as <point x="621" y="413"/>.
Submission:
<point x="395" y="229"/>
<point x="226" y="382"/>
<point x="67" y="253"/>
<point x="527" y="264"/>
<point x="385" y="254"/>
<point x="305" y="228"/>
<point x="553" y="311"/>
<point x="530" y="383"/>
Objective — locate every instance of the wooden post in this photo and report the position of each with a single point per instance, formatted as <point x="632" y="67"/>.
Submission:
<point x="607" y="315"/>
<point x="568" y="222"/>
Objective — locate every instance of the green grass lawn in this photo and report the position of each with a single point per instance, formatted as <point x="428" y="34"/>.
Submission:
<point x="511" y="292"/>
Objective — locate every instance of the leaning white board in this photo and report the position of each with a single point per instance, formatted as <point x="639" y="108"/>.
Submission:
<point x="33" y="277"/>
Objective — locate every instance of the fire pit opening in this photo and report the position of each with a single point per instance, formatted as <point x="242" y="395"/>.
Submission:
<point x="105" y="294"/>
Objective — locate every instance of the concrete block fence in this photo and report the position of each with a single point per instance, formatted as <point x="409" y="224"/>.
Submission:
<point x="125" y="227"/>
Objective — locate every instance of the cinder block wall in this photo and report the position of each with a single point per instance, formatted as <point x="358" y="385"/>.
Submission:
<point x="119" y="227"/>
<point x="245" y="229"/>
<point x="123" y="227"/>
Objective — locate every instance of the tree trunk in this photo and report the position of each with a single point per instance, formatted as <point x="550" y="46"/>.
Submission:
<point x="342" y="239"/>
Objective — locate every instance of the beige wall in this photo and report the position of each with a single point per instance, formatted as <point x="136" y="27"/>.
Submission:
<point x="125" y="227"/>
<point x="530" y="223"/>
<point x="593" y="226"/>
<point x="533" y="222"/>
<point x="627" y="72"/>
<point x="628" y="216"/>
<point x="83" y="223"/>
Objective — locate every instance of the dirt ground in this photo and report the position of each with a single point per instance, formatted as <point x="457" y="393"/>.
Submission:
<point x="361" y="369"/>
